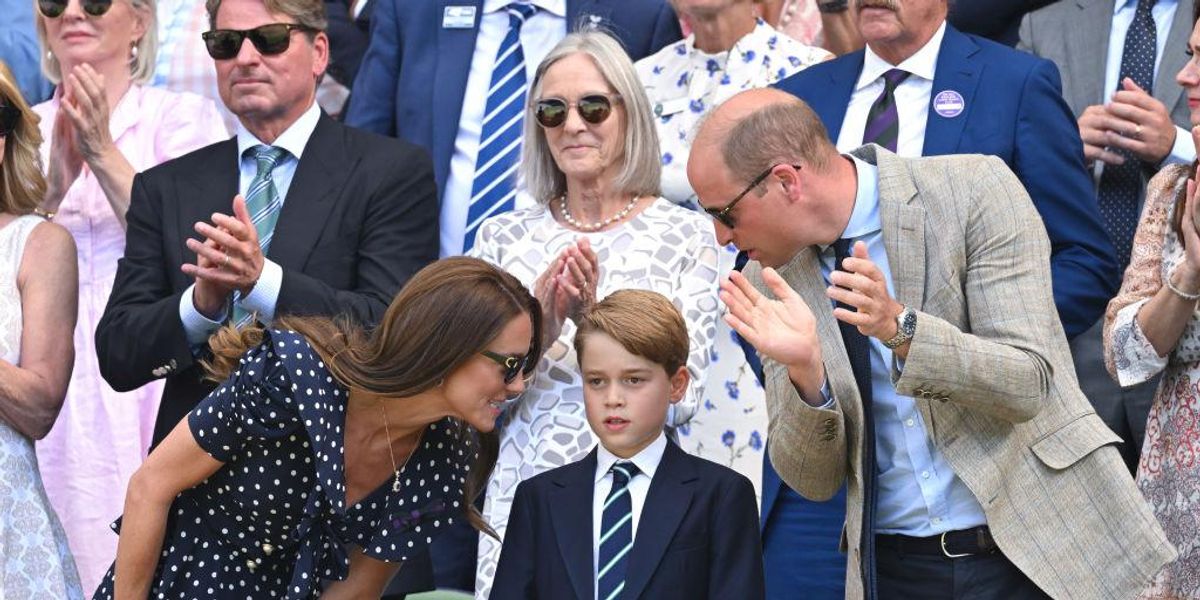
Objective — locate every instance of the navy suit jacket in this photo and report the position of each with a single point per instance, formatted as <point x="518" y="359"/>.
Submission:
<point x="697" y="535"/>
<point x="411" y="81"/>
<point x="1015" y="111"/>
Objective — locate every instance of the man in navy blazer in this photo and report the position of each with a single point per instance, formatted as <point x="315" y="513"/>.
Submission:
<point x="412" y="81"/>
<point x="985" y="98"/>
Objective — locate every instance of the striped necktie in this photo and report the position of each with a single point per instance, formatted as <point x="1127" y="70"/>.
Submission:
<point x="263" y="204"/>
<point x="883" y="122"/>
<point x="494" y="187"/>
<point x="616" y="533"/>
<point x="1121" y="185"/>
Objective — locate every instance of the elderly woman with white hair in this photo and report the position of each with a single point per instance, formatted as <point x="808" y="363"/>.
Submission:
<point x="100" y="128"/>
<point x="591" y="160"/>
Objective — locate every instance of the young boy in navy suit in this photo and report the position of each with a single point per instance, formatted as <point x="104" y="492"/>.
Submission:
<point x="637" y="518"/>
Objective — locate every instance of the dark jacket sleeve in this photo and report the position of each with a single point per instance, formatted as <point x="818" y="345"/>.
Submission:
<point x="373" y="99"/>
<point x="518" y="557"/>
<point x="993" y="19"/>
<point x="399" y="236"/>
<point x="1082" y="260"/>
<point x="736" y="565"/>
<point x="142" y="300"/>
<point x="347" y="42"/>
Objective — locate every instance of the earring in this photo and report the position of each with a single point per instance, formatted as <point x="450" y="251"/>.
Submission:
<point x="49" y="56"/>
<point x="133" y="51"/>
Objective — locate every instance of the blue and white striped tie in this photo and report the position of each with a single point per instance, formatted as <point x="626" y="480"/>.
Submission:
<point x="263" y="204"/>
<point x="616" y="533"/>
<point x="494" y="187"/>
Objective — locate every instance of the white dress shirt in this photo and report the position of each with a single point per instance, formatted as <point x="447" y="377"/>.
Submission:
<point x="539" y="34"/>
<point x="263" y="297"/>
<point x="912" y="97"/>
<point x="1184" y="150"/>
<point x="639" y="485"/>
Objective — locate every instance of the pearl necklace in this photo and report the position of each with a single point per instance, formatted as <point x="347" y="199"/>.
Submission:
<point x="598" y="225"/>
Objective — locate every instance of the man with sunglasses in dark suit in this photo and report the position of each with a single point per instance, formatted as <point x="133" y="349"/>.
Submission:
<point x="297" y="214"/>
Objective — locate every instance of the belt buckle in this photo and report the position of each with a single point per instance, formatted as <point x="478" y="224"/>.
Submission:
<point x="946" y="552"/>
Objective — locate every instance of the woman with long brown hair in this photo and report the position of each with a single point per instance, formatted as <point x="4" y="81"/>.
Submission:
<point x="37" y="314"/>
<point x="322" y="436"/>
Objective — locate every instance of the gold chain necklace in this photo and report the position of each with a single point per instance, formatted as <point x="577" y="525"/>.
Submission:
<point x="391" y="454"/>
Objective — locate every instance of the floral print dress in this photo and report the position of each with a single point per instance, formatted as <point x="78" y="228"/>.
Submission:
<point x="1169" y="470"/>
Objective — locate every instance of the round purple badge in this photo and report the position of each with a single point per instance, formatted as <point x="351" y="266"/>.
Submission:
<point x="949" y="104"/>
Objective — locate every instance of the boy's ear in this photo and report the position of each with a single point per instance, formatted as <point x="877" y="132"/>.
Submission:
<point x="679" y="384"/>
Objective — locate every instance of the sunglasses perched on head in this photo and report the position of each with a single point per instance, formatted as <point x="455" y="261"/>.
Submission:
<point x="513" y="365"/>
<point x="224" y="44"/>
<point x="593" y="108"/>
<point x="52" y="9"/>
<point x="9" y="116"/>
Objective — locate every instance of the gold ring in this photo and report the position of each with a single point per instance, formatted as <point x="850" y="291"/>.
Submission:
<point x="1137" y="131"/>
<point x="225" y="263"/>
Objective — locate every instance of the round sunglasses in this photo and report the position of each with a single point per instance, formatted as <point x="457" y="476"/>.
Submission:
<point x="513" y="365"/>
<point x="593" y="108"/>
<point x="269" y="40"/>
<point x="52" y="9"/>
<point x="9" y="116"/>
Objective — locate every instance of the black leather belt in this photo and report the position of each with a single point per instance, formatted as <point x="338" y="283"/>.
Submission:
<point x="952" y="544"/>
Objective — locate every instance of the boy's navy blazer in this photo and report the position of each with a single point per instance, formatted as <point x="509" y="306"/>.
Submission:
<point x="697" y="536"/>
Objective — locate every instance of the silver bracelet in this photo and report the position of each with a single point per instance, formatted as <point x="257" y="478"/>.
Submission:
<point x="1179" y="292"/>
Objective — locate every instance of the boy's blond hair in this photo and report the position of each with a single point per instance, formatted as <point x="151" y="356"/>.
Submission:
<point x="644" y="323"/>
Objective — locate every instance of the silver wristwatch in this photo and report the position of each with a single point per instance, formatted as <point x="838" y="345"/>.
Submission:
<point x="906" y="326"/>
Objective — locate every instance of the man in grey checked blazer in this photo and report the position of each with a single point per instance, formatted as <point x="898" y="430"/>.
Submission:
<point x="980" y="356"/>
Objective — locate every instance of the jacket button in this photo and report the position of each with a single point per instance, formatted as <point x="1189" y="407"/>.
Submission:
<point x="944" y="398"/>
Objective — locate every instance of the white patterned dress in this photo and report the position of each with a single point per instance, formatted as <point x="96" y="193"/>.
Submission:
<point x="35" y="563"/>
<point x="684" y="84"/>
<point x="1169" y="470"/>
<point x="666" y="249"/>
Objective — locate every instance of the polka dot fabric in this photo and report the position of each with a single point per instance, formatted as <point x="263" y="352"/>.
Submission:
<point x="273" y="521"/>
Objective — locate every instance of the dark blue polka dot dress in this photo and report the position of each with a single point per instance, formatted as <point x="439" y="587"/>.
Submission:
<point x="272" y="522"/>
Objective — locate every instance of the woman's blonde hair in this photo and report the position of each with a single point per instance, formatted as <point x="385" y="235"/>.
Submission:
<point x="642" y="165"/>
<point x="141" y="64"/>
<point x="22" y="185"/>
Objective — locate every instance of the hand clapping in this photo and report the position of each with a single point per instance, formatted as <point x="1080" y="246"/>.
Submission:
<point x="229" y="258"/>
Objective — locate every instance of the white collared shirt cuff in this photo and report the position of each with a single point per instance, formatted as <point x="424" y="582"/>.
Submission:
<point x="265" y="295"/>
<point x="1183" y="151"/>
<point x="196" y="326"/>
<point x="827" y="395"/>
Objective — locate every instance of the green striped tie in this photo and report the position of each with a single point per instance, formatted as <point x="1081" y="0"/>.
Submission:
<point x="263" y="203"/>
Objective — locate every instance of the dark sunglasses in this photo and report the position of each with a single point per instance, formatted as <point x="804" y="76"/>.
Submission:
<point x="9" y="116"/>
<point x="722" y="214"/>
<point x="593" y="108"/>
<point x="52" y="9"/>
<point x="513" y="365"/>
<point x="269" y="40"/>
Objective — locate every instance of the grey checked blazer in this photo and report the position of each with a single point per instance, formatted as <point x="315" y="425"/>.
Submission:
<point x="991" y="374"/>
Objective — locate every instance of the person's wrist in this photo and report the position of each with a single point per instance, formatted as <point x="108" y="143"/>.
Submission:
<point x="1185" y="279"/>
<point x="808" y="380"/>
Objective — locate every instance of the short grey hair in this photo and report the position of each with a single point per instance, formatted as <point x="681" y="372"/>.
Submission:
<point x="642" y="169"/>
<point x="141" y="65"/>
<point x="781" y="132"/>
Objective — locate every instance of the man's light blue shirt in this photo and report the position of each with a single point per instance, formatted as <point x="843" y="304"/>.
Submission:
<point x="265" y="294"/>
<point x="1184" y="150"/>
<point x="919" y="494"/>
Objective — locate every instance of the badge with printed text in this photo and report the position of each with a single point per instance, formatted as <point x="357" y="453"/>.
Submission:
<point x="949" y="104"/>
<point x="458" y="17"/>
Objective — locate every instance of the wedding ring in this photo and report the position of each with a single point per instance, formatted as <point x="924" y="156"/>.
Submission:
<point x="1137" y="131"/>
<point x="225" y="263"/>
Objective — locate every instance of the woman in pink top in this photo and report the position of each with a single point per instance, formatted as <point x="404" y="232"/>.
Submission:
<point x="100" y="128"/>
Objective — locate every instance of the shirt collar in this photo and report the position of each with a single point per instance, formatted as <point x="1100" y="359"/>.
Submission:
<point x="557" y="8"/>
<point x="922" y="64"/>
<point x="293" y="139"/>
<point x="647" y="460"/>
<point x="864" y="219"/>
<point x="1121" y="5"/>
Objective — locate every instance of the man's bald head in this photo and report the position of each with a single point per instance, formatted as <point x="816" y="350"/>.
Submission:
<point x="756" y="129"/>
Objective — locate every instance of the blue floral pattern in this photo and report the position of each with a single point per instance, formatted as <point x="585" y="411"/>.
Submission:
<point x="683" y="84"/>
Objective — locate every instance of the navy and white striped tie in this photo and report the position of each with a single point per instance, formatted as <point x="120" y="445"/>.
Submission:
<point x="263" y="204"/>
<point x="616" y="533"/>
<point x="495" y="187"/>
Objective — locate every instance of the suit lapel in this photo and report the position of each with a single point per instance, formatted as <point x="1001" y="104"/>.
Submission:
<point x="455" y="48"/>
<point x="1087" y="53"/>
<point x="903" y="230"/>
<point x="205" y="192"/>
<point x="956" y="71"/>
<point x="668" y="500"/>
<point x="322" y="170"/>
<point x="1165" y="87"/>
<point x="830" y="105"/>
<point x="571" y="514"/>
